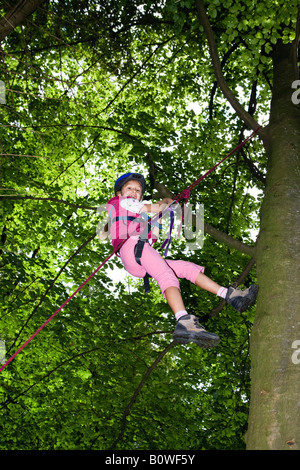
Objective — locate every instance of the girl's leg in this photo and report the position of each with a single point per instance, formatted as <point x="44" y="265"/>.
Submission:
<point x="156" y="267"/>
<point x="194" y="273"/>
<point x="166" y="278"/>
<point x="166" y="273"/>
<point x="187" y="327"/>
<point x="207" y="284"/>
<point x="174" y="299"/>
<point x="239" y="299"/>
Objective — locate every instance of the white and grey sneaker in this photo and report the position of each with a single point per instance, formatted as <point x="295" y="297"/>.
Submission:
<point x="242" y="299"/>
<point x="188" y="329"/>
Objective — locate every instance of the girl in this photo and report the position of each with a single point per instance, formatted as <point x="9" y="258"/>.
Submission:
<point x="127" y="229"/>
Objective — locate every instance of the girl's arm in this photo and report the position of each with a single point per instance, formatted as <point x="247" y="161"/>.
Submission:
<point x="157" y="207"/>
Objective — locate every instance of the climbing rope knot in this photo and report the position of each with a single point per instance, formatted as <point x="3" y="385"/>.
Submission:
<point x="186" y="194"/>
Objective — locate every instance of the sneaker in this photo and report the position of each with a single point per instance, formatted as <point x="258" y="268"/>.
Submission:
<point x="188" y="329"/>
<point x="242" y="299"/>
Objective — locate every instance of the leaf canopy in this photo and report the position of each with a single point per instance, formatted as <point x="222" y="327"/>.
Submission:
<point x="94" y="91"/>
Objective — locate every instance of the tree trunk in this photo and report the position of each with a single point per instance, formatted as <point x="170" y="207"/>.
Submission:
<point x="16" y="16"/>
<point x="274" y="419"/>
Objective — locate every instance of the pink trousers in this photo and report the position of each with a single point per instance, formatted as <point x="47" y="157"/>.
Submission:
<point x="165" y="272"/>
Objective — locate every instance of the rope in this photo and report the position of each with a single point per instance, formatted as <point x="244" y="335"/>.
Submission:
<point x="184" y="194"/>
<point x="57" y="311"/>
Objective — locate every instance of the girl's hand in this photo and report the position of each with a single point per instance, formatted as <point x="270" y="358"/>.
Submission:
<point x="166" y="201"/>
<point x="157" y="207"/>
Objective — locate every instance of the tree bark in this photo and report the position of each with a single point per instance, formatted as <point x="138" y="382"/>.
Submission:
<point x="274" y="419"/>
<point x="16" y="16"/>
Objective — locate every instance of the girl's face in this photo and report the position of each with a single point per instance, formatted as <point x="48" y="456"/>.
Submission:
<point x="131" y="189"/>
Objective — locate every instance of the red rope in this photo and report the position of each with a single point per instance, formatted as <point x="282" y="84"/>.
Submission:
<point x="193" y="185"/>
<point x="184" y="194"/>
<point x="57" y="311"/>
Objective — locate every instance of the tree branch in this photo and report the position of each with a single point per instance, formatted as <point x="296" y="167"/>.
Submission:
<point x="75" y="356"/>
<point x="16" y="16"/>
<point x="53" y="199"/>
<point x="13" y="399"/>
<point x="212" y="231"/>
<point x="240" y="110"/>
<point x="229" y="241"/>
<point x="133" y="76"/>
<point x="50" y="287"/>
<point x="214" y="88"/>
<point x="239" y="281"/>
<point x="136" y="392"/>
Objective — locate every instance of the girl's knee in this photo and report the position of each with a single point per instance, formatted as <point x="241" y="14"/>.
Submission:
<point x="186" y="269"/>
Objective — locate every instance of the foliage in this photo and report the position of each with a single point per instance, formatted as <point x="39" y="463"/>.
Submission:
<point x="93" y="91"/>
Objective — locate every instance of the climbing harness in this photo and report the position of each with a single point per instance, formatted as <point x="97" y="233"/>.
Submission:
<point x="138" y="250"/>
<point x="143" y="220"/>
<point x="185" y="194"/>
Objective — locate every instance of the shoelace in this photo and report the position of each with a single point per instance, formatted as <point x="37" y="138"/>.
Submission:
<point x="197" y="324"/>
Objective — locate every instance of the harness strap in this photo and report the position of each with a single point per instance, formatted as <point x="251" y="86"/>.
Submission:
<point x="143" y="219"/>
<point x="167" y="241"/>
<point x="138" y="250"/>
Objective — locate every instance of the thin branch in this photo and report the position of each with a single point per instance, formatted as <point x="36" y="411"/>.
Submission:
<point x="214" y="88"/>
<point x="52" y="199"/>
<point x="255" y="172"/>
<point x="238" y="281"/>
<point x="50" y="287"/>
<point x="40" y="73"/>
<point x="133" y="77"/>
<point x="80" y="156"/>
<point x="13" y="399"/>
<point x="136" y="393"/>
<point x="75" y="356"/>
<point x="240" y="110"/>
<point x="22" y="155"/>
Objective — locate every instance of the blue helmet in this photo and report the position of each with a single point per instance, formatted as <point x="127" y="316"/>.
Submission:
<point x="129" y="177"/>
